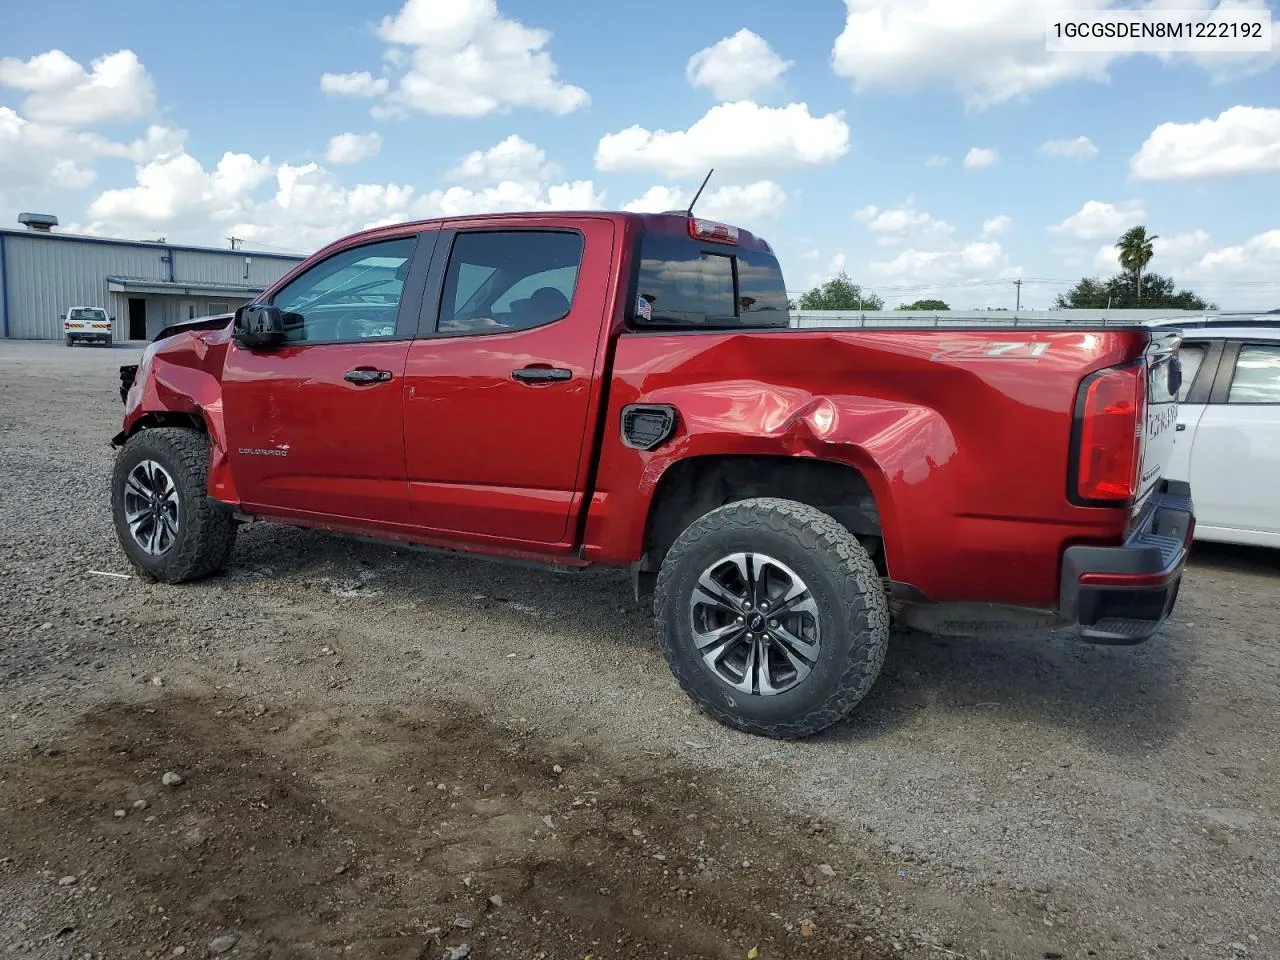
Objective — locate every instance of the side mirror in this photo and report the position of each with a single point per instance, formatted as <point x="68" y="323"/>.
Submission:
<point x="259" y="327"/>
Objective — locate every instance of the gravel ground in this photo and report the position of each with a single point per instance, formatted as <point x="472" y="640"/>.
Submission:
<point x="1020" y="797"/>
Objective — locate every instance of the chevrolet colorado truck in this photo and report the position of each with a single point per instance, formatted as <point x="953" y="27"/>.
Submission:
<point x="614" y="388"/>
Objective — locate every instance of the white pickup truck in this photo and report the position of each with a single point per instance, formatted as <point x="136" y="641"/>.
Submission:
<point x="87" y="323"/>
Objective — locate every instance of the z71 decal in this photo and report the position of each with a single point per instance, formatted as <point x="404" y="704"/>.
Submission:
<point x="990" y="350"/>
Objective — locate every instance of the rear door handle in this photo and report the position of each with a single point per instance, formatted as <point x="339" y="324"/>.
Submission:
<point x="536" y="374"/>
<point x="366" y="375"/>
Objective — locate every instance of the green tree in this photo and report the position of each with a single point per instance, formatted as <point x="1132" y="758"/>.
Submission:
<point x="924" y="305"/>
<point x="1121" y="293"/>
<point x="840" y="293"/>
<point x="1136" y="252"/>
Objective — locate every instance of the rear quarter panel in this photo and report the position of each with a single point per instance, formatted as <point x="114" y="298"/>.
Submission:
<point x="963" y="436"/>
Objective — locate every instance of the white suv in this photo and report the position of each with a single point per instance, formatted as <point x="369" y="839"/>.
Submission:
<point x="1228" y="436"/>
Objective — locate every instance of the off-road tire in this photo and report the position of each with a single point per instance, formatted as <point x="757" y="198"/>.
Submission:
<point x="206" y="532"/>
<point x="852" y="606"/>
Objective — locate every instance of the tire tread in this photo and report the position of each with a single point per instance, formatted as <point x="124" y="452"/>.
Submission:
<point x="206" y="545"/>
<point x="861" y="590"/>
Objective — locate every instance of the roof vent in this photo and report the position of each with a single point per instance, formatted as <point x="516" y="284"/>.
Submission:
<point x="40" y="222"/>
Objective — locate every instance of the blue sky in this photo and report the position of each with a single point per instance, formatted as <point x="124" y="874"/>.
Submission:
<point x="821" y="118"/>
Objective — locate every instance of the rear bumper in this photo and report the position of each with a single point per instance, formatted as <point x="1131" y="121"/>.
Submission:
<point x="1124" y="594"/>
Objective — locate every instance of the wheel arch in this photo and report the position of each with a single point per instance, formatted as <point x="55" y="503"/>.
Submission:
<point x="188" y="419"/>
<point x="690" y="488"/>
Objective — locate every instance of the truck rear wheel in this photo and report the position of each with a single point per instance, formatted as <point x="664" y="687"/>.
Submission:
<point x="69" y="340"/>
<point x="773" y="617"/>
<point x="168" y="527"/>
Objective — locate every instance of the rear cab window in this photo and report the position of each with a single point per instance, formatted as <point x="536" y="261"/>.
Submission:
<point x="688" y="283"/>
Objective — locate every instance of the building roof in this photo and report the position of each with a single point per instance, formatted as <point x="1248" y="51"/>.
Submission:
<point x="151" y="244"/>
<point x="181" y="287"/>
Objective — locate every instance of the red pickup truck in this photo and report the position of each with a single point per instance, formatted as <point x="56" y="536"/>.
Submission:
<point x="627" y="389"/>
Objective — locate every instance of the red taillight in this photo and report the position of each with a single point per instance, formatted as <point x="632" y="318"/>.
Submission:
<point x="1111" y="412"/>
<point x="710" y="230"/>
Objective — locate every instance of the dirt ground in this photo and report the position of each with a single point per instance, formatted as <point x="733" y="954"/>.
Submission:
<point x="373" y="743"/>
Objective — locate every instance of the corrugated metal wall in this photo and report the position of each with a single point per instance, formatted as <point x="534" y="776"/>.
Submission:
<point x="45" y="275"/>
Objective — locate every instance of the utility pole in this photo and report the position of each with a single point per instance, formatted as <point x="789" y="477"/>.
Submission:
<point x="1018" y="283"/>
<point x="235" y="242"/>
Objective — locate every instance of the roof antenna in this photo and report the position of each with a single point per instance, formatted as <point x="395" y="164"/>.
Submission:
<point x="689" y="212"/>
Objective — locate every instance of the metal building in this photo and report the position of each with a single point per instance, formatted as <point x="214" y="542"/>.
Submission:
<point x="143" y="286"/>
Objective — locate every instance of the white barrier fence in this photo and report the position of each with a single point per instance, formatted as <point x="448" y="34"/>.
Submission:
<point x="960" y="318"/>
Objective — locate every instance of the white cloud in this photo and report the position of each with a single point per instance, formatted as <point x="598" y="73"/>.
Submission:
<point x="1079" y="148"/>
<point x="748" y="205"/>
<point x="989" y="51"/>
<point x="933" y="266"/>
<point x="353" y="147"/>
<point x="509" y="196"/>
<point x="902" y="224"/>
<point x="307" y="205"/>
<point x="466" y="60"/>
<point x="361" y="84"/>
<point x="176" y="190"/>
<point x="839" y="263"/>
<point x="60" y="90"/>
<point x="1258" y="257"/>
<point x="730" y="137"/>
<point x="936" y="161"/>
<point x="1107" y="259"/>
<point x="1097" y="220"/>
<point x="511" y="159"/>
<point x="39" y="156"/>
<point x="979" y="157"/>
<point x="1240" y="140"/>
<point x="995" y="225"/>
<point x="1181" y="248"/>
<point x="736" y="68"/>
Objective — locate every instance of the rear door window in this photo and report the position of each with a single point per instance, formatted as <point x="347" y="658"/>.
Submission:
<point x="1257" y="375"/>
<point x="1192" y="356"/>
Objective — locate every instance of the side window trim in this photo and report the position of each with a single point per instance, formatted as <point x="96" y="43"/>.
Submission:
<point x="1231" y="371"/>
<point x="410" y="293"/>
<point x="427" y="317"/>
<point x="1226" y="372"/>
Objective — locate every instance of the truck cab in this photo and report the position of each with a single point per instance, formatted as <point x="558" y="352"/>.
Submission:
<point x="581" y="388"/>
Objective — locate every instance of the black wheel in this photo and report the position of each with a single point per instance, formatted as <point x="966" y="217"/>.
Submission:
<point x="773" y="617"/>
<point x="167" y="525"/>
<point x="107" y="342"/>
<point x="69" y="340"/>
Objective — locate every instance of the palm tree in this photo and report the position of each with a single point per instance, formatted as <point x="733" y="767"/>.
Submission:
<point x="1136" y="252"/>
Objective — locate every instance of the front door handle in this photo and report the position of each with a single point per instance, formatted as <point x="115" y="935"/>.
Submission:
<point x="1181" y="427"/>
<point x="366" y="375"/>
<point x="536" y="374"/>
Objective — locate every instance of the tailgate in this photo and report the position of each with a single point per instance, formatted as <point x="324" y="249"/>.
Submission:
<point x="1164" y="372"/>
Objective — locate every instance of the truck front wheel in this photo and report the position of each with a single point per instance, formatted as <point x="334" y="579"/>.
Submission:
<point x="773" y="617"/>
<point x="168" y="527"/>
